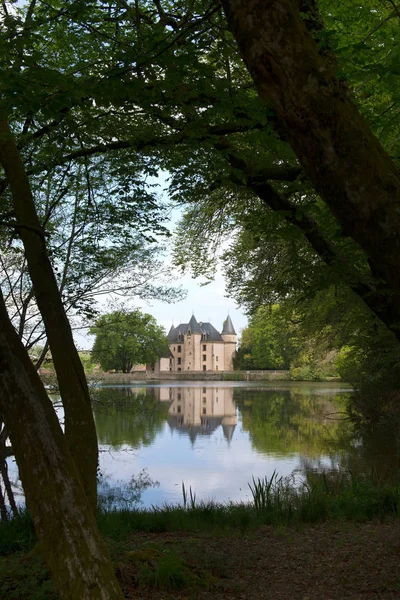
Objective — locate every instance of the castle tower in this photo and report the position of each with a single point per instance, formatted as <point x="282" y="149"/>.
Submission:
<point x="229" y="336"/>
<point x="192" y="358"/>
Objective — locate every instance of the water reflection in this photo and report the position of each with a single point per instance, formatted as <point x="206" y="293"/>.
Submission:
<point x="295" y="420"/>
<point x="215" y="438"/>
<point x="127" y="415"/>
<point x="200" y="410"/>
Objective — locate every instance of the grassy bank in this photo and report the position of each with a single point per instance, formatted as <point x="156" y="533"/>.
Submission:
<point x="176" y="549"/>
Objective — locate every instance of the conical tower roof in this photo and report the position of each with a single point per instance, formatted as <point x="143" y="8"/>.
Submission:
<point x="194" y="326"/>
<point x="228" y="327"/>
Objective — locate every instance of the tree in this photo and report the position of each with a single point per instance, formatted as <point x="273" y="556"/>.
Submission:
<point x="85" y="266"/>
<point x="126" y="88"/>
<point x="124" y="339"/>
<point x="267" y="340"/>
<point x="280" y="42"/>
<point x="62" y="513"/>
<point x="79" y="424"/>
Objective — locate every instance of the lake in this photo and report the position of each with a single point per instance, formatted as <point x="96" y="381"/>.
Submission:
<point x="215" y="436"/>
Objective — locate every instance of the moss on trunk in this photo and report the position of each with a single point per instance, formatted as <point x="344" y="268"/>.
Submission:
<point x="63" y="518"/>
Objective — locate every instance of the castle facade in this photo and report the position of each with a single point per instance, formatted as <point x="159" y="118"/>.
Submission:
<point x="198" y="346"/>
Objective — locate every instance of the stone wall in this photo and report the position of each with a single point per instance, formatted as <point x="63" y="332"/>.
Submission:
<point x="192" y="376"/>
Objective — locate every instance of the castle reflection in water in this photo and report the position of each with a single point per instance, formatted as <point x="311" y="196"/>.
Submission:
<point x="197" y="411"/>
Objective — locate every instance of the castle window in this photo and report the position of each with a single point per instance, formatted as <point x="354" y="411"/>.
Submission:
<point x="204" y="367"/>
<point x="179" y="369"/>
<point x="204" y="390"/>
<point x="216" y="358"/>
<point x="204" y="400"/>
<point x="204" y="357"/>
<point x="204" y="411"/>
<point x="179" y="409"/>
<point x="204" y="347"/>
<point x="178" y="396"/>
<point x="179" y="361"/>
<point x="179" y="348"/>
<point x="216" y="367"/>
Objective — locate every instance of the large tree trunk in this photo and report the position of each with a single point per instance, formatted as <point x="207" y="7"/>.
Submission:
<point x="346" y="163"/>
<point x="62" y="516"/>
<point x="79" y="423"/>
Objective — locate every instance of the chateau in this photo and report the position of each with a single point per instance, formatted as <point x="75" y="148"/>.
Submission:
<point x="199" y="346"/>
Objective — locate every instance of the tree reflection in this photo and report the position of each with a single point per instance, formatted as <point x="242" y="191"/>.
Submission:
<point x="125" y="415"/>
<point x="294" y="421"/>
<point x="310" y="424"/>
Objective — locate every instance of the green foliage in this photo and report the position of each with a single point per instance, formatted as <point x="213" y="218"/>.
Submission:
<point x="372" y="365"/>
<point x="276" y="500"/>
<point x="26" y="577"/>
<point x="87" y="362"/>
<point x="124" y="339"/>
<point x="102" y="97"/>
<point x="266" y="343"/>
<point x="301" y="336"/>
<point x="189" y="500"/>
<point x="163" y="570"/>
<point x="17" y="534"/>
<point x="312" y="365"/>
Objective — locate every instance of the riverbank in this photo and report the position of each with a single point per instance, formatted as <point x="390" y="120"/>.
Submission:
<point x="261" y="376"/>
<point x="273" y="375"/>
<point x="331" y="540"/>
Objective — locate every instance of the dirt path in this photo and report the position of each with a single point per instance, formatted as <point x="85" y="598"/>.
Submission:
<point x="327" y="562"/>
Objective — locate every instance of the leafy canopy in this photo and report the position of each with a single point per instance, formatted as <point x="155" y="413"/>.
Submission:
<point x="124" y="339"/>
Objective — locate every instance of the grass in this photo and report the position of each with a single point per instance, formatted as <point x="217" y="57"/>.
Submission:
<point x="165" y="564"/>
<point x="276" y="501"/>
<point x="17" y="535"/>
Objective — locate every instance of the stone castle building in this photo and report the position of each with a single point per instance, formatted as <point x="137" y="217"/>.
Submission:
<point x="199" y="346"/>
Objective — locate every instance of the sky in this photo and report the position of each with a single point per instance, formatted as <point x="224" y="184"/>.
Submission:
<point x="208" y="303"/>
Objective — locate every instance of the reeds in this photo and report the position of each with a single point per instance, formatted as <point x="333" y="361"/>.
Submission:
<point x="275" y="500"/>
<point x="191" y="498"/>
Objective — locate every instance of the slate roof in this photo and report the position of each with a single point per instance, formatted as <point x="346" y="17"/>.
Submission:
<point x="208" y="330"/>
<point x="194" y="326"/>
<point x="175" y="331"/>
<point x="212" y="335"/>
<point x="228" y="327"/>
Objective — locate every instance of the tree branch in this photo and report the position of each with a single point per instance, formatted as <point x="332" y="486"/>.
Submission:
<point x="371" y="292"/>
